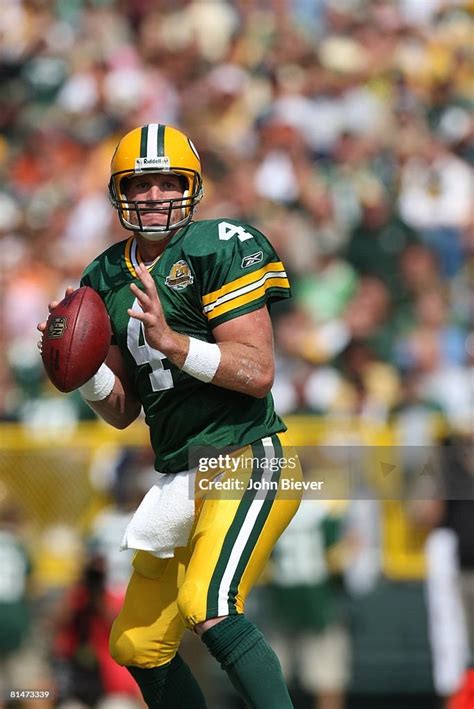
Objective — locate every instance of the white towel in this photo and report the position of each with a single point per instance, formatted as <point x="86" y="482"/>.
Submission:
<point x="165" y="516"/>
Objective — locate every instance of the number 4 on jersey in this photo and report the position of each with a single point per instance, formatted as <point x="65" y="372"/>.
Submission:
<point x="160" y="378"/>
<point x="227" y="231"/>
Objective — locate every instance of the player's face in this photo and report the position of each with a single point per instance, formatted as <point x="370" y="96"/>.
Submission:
<point x="153" y="188"/>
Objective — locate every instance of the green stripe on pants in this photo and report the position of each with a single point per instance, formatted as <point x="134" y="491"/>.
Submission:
<point x="258" y="525"/>
<point x="233" y="532"/>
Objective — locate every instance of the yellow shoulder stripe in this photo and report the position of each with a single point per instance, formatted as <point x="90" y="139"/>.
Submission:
<point x="279" y="282"/>
<point x="128" y="260"/>
<point x="242" y="281"/>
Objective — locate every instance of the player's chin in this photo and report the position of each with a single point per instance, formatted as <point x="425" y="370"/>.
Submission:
<point x="164" y="224"/>
<point x="158" y="220"/>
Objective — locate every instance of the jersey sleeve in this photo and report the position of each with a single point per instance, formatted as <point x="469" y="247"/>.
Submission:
<point x="89" y="277"/>
<point x="243" y="274"/>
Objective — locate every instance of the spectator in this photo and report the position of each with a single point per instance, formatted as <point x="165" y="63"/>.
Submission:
<point x="85" y="671"/>
<point x="307" y="599"/>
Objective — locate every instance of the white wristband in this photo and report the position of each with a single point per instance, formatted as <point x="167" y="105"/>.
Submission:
<point x="202" y="361"/>
<point x="99" y="386"/>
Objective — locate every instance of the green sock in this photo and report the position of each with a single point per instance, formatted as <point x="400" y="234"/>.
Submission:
<point x="252" y="666"/>
<point x="151" y="681"/>
<point x="171" y="686"/>
<point x="181" y="689"/>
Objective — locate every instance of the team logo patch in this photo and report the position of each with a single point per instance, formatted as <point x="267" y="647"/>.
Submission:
<point x="179" y="276"/>
<point x="252" y="259"/>
<point x="57" y="327"/>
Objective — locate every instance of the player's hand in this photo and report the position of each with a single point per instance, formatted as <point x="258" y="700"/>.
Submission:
<point x="158" y="333"/>
<point x="41" y="326"/>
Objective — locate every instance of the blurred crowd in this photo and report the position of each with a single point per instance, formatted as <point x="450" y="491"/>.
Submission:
<point x="342" y="129"/>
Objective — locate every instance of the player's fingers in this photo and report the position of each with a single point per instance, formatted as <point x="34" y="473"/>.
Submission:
<point x="148" y="319"/>
<point x="147" y="280"/>
<point x="41" y="326"/>
<point x="148" y="302"/>
<point x="55" y="303"/>
<point x="142" y="297"/>
<point x="137" y="314"/>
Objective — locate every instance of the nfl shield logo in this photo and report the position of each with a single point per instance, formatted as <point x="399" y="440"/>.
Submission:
<point x="56" y="328"/>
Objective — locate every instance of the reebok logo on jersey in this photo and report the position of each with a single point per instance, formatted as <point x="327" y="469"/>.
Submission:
<point x="252" y="259"/>
<point x="180" y="276"/>
<point x="160" y="163"/>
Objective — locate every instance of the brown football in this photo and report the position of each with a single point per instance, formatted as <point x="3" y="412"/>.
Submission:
<point x="76" y="339"/>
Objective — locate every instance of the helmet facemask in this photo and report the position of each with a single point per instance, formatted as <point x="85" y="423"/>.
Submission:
<point x="131" y="211"/>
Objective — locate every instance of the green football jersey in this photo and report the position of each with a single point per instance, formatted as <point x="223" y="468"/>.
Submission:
<point x="210" y="272"/>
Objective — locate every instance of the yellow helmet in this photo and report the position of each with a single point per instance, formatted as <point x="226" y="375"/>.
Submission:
<point x="155" y="148"/>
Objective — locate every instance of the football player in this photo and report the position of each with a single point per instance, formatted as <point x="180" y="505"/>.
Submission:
<point x="192" y="345"/>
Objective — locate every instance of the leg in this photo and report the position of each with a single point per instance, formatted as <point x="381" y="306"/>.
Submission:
<point x="148" y="629"/>
<point x="181" y="689"/>
<point x="325" y="666"/>
<point x="146" y="635"/>
<point x="230" y="546"/>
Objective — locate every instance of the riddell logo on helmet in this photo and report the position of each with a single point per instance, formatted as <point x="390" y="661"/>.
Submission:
<point x="163" y="163"/>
